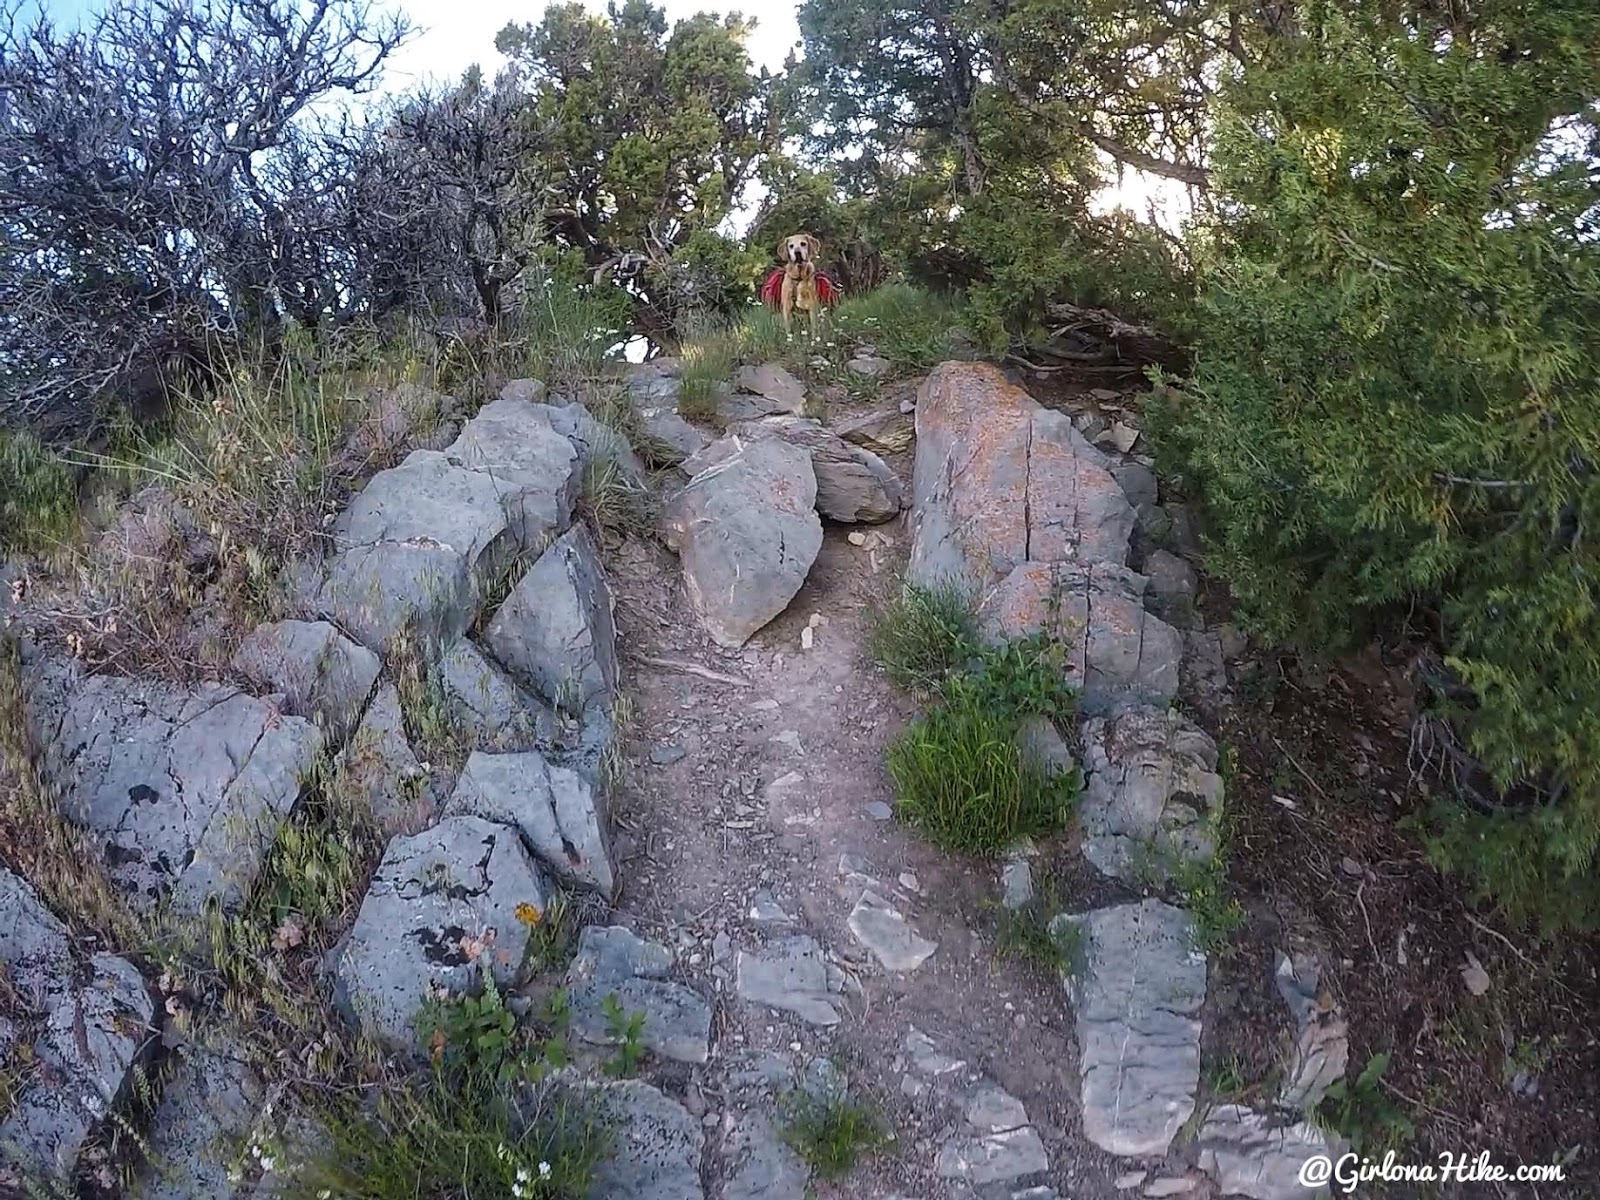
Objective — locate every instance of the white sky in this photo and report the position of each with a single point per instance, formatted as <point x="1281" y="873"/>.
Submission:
<point x="455" y="34"/>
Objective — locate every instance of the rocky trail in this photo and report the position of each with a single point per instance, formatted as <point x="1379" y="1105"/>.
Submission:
<point x="689" y="734"/>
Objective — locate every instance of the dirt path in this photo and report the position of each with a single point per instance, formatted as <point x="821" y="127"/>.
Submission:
<point x="734" y="794"/>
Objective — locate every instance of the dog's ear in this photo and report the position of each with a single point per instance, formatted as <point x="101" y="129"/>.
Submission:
<point x="783" y="250"/>
<point x="816" y="248"/>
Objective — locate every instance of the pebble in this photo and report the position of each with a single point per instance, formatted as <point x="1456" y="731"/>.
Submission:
<point x="858" y="538"/>
<point x="908" y="880"/>
<point x="879" y="811"/>
<point x="665" y="756"/>
<point x="807" y="638"/>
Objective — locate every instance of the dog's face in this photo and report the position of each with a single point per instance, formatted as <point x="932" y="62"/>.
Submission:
<point x="799" y="248"/>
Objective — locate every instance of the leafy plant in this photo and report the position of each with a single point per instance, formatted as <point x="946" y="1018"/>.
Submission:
<point x="627" y="1030"/>
<point x="1361" y="1112"/>
<point x="1215" y="915"/>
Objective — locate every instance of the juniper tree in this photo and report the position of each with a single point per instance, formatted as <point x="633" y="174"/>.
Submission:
<point x="1396" y="406"/>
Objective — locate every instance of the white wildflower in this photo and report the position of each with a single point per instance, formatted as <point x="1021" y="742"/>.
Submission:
<point x="544" y="1170"/>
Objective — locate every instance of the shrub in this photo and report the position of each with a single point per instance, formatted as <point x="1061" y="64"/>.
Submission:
<point x="1395" y="408"/>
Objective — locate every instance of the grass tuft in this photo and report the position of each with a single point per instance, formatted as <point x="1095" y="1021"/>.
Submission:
<point x="924" y="636"/>
<point x="906" y="325"/>
<point x="832" y="1132"/>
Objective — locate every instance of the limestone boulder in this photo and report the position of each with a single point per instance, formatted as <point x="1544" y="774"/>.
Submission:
<point x="1118" y="653"/>
<point x="443" y="904"/>
<point x="747" y="532"/>
<point x="555" y="631"/>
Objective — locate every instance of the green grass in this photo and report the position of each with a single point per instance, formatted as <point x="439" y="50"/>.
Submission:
<point x="1040" y="933"/>
<point x="906" y="325"/>
<point x="1360" y="1111"/>
<point x="924" y="636"/>
<point x="479" y="1122"/>
<point x="38" y="496"/>
<point x="832" y="1132"/>
<point x="959" y="773"/>
<point x="614" y="501"/>
<point x="960" y="777"/>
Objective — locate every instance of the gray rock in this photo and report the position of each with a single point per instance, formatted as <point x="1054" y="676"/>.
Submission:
<point x="185" y="787"/>
<point x="774" y="383"/>
<point x="1203" y="671"/>
<point x="80" y="1020"/>
<point x="655" y="1146"/>
<point x="556" y="628"/>
<point x="208" y="1110"/>
<point x="999" y="481"/>
<point x="791" y="976"/>
<point x="1036" y="1193"/>
<point x="613" y="962"/>
<point x="535" y="469"/>
<point x="462" y="879"/>
<point x="486" y="705"/>
<point x="1321" y="1050"/>
<point x="1249" y="1155"/>
<point x="1016" y="883"/>
<point x="321" y="674"/>
<point x="992" y="1109"/>
<point x="877" y="926"/>
<point x="417" y="548"/>
<point x="765" y="910"/>
<point x="1138" y="483"/>
<point x="554" y="808"/>
<point x="1137" y="1005"/>
<point x="1117" y="652"/>
<point x="667" y="439"/>
<point x="666" y="755"/>
<point x="993" y="1158"/>
<point x="379" y="770"/>
<point x="597" y="443"/>
<point x="760" y="1166"/>
<point x="1172" y="586"/>
<point x="888" y="431"/>
<point x="1152" y="796"/>
<point x="747" y="532"/>
<point x="869" y="366"/>
<point x="1170" y="1186"/>
<point x="853" y="485"/>
<point x="926" y="1058"/>
<point x="1041" y="743"/>
<point x="879" y="811"/>
<point x="524" y="391"/>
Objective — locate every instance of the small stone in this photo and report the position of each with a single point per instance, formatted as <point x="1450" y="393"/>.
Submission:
<point x="1016" y="884"/>
<point x="766" y="910"/>
<point x="807" y="638"/>
<point x="791" y="976"/>
<point x="879" y="811"/>
<point x="666" y="755"/>
<point x="869" y="367"/>
<point x="1351" y="867"/>
<point x="1159" y="1188"/>
<point x="909" y="882"/>
<point x="1130" y="1180"/>
<point x="998" y="1158"/>
<point x="925" y="1056"/>
<point x="857" y="538"/>
<point x="992" y="1109"/>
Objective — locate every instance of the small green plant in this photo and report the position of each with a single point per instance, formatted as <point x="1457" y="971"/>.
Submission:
<point x="832" y="1132"/>
<point x="627" y="1030"/>
<point x="1203" y="885"/>
<point x="924" y="636"/>
<point x="1017" y="680"/>
<point x="552" y="934"/>
<point x="1362" y="1113"/>
<point x="1054" y="943"/>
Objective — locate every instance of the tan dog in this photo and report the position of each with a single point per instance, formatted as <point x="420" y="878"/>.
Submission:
<point x="799" y="253"/>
